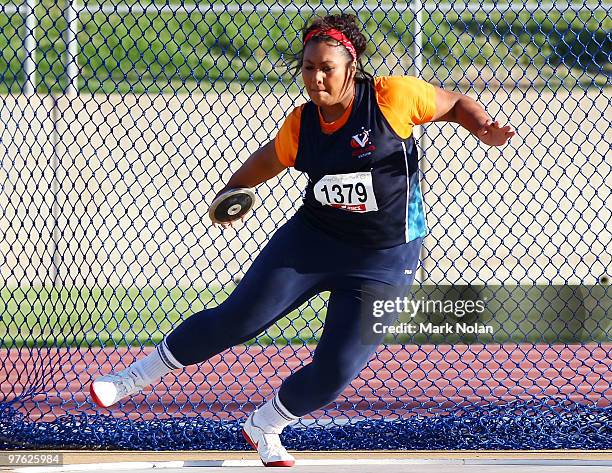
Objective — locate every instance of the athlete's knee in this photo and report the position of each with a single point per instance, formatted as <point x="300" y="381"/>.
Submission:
<point x="227" y="314"/>
<point x="207" y="333"/>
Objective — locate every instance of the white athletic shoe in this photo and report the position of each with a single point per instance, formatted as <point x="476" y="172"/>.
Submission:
<point x="269" y="447"/>
<point x="109" y="389"/>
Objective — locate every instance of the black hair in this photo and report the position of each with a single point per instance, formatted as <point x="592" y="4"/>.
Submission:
<point x="347" y="24"/>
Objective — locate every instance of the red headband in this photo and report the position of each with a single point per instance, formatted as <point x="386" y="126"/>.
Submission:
<point x="334" y="34"/>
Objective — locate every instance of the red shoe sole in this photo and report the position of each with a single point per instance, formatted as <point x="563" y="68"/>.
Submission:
<point x="281" y="463"/>
<point x="248" y="439"/>
<point x="278" y="463"/>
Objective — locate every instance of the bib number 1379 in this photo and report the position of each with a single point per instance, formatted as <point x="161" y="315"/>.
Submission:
<point x="353" y="192"/>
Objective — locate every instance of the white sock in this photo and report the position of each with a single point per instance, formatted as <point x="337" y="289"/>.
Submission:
<point x="156" y="364"/>
<point x="273" y="417"/>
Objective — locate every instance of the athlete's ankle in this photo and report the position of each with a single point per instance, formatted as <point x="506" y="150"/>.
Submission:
<point x="273" y="416"/>
<point x="155" y="365"/>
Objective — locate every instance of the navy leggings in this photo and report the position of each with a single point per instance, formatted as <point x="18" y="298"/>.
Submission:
<point x="298" y="263"/>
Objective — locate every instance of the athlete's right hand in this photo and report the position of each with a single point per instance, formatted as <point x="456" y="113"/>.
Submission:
<point x="231" y="205"/>
<point x="225" y="225"/>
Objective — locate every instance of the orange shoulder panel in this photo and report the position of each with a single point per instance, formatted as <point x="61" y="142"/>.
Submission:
<point x="287" y="138"/>
<point x="405" y="101"/>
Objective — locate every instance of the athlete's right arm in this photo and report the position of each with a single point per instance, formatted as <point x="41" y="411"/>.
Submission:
<point x="262" y="165"/>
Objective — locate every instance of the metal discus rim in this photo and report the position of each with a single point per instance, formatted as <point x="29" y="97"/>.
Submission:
<point x="232" y="205"/>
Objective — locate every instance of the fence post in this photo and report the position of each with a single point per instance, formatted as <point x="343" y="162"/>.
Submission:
<point x="72" y="67"/>
<point x="29" y="66"/>
<point x="419" y="133"/>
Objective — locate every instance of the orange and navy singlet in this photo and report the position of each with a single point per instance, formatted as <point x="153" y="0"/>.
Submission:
<point x="363" y="169"/>
<point x="357" y="235"/>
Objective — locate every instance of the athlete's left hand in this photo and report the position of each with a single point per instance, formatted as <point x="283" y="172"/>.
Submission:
<point x="492" y="135"/>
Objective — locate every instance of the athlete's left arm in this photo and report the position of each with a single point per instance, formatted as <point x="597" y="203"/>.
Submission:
<point x="458" y="108"/>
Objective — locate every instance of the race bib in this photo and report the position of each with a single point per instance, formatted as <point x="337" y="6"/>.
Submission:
<point x="353" y="192"/>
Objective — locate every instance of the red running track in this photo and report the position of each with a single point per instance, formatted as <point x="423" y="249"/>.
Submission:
<point x="399" y="380"/>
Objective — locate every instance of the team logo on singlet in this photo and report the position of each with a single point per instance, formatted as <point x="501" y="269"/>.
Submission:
<point x="361" y="144"/>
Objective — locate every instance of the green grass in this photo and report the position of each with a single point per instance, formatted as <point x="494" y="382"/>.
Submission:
<point x="175" y="52"/>
<point x="117" y="316"/>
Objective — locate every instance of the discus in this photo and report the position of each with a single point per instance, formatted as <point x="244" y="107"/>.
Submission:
<point x="231" y="205"/>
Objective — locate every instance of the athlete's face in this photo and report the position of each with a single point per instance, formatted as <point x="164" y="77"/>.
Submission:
<point x="328" y="73"/>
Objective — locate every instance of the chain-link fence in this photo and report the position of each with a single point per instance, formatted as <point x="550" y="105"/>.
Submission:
<point x="120" y="122"/>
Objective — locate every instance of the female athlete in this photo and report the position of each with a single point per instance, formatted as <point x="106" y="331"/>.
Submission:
<point x="361" y="225"/>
